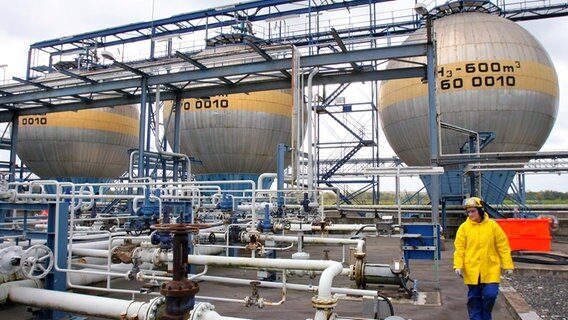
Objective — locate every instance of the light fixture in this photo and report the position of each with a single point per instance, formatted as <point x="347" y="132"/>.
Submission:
<point x="107" y="55"/>
<point x="421" y="9"/>
<point x="3" y="67"/>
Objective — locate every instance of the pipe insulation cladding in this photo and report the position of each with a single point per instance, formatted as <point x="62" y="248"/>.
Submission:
<point x="84" y="304"/>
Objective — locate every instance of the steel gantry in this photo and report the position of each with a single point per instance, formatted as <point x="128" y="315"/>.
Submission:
<point x="348" y="40"/>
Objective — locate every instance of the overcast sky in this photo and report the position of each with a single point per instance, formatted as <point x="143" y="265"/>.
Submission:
<point x="24" y="22"/>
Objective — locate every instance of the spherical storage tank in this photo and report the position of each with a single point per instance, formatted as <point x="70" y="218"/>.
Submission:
<point x="492" y="76"/>
<point x="79" y="146"/>
<point x="234" y="137"/>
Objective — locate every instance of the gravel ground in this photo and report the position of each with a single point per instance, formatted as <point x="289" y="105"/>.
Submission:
<point x="547" y="295"/>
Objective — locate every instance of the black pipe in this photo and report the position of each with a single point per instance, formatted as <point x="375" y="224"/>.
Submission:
<point x="388" y="302"/>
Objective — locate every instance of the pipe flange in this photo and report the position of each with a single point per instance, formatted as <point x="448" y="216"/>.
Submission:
<point x="200" y="310"/>
<point x="178" y="228"/>
<point x="359" y="255"/>
<point x="183" y="288"/>
<point x="358" y="273"/>
<point x="358" y="267"/>
<point x="324" y="303"/>
<point x="154" y="307"/>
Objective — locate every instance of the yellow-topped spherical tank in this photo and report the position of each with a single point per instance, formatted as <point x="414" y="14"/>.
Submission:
<point x="79" y="146"/>
<point x="234" y="137"/>
<point x="492" y="76"/>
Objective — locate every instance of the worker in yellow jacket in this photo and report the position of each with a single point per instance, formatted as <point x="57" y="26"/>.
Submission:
<point x="481" y="251"/>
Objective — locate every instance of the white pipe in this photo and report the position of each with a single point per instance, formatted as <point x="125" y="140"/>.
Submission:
<point x="326" y="279"/>
<point x="257" y="206"/>
<point x="264" y="176"/>
<point x="5" y="287"/>
<point x="208" y="249"/>
<point x="157" y="135"/>
<point x="82" y="304"/>
<point x="331" y="268"/>
<point x="81" y="279"/>
<point x="205" y="311"/>
<point x="292" y="286"/>
<point x="97" y="235"/>
<point x="295" y="226"/>
<point x="309" y="133"/>
<point x="360" y="243"/>
<point x="11" y="277"/>
<point x="152" y="198"/>
<point x="298" y="98"/>
<point x="98" y="253"/>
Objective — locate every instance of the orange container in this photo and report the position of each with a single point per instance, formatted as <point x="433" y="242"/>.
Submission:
<point x="527" y="234"/>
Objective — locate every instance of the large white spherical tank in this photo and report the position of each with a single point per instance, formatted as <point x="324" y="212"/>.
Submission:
<point x="234" y="134"/>
<point x="79" y="146"/>
<point x="492" y="76"/>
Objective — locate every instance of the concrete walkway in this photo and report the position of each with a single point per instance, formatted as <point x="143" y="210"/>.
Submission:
<point x="441" y="297"/>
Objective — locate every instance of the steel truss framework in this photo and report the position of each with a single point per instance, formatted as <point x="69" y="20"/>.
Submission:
<point x="345" y="54"/>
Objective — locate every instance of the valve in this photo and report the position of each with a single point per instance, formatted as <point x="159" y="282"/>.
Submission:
<point x="134" y="227"/>
<point x="179" y="292"/>
<point x="37" y="261"/>
<point x="162" y="238"/>
<point x="10" y="259"/>
<point x="254" y="298"/>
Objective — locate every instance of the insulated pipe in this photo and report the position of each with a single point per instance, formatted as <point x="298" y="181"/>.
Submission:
<point x="84" y="304"/>
<point x="260" y="181"/>
<point x="291" y="286"/>
<point x="331" y="268"/>
<point x="273" y="264"/>
<point x="358" y="242"/>
<point x="11" y="277"/>
<point x="205" y="311"/>
<point x="326" y="279"/>
<point x="157" y="135"/>
<point x="5" y="287"/>
<point x="98" y="253"/>
<point x="81" y="279"/>
<point x="295" y="226"/>
<point x="257" y="206"/>
<point x="309" y="133"/>
<point x="96" y="236"/>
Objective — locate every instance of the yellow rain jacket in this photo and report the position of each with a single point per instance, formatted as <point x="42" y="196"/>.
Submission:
<point x="481" y="249"/>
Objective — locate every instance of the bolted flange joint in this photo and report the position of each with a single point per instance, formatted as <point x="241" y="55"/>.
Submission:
<point x="324" y="303"/>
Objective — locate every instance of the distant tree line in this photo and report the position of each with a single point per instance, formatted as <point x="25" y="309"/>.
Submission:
<point x="389" y="197"/>
<point x="547" y="196"/>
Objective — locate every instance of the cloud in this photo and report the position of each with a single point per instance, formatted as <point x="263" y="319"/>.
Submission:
<point x="30" y="21"/>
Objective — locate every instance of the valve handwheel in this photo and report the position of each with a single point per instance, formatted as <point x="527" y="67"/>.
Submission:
<point x="37" y="261"/>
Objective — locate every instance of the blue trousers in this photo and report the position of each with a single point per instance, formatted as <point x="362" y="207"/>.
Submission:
<point x="481" y="299"/>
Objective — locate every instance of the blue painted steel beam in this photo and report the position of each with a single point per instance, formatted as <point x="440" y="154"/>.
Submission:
<point x="540" y="12"/>
<point x="36" y="235"/>
<point x="19" y="206"/>
<point x="203" y="14"/>
<point x="412" y="50"/>
<point x="5" y="116"/>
